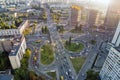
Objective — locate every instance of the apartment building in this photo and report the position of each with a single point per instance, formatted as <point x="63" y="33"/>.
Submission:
<point x="17" y="51"/>
<point x="19" y="30"/>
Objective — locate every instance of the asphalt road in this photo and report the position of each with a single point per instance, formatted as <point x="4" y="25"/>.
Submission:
<point x="65" y="68"/>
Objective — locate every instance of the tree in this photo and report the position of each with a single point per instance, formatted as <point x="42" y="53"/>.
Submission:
<point x="91" y="75"/>
<point x="13" y="26"/>
<point x="28" y="52"/>
<point x="18" y="22"/>
<point x="32" y="75"/>
<point x="22" y="72"/>
<point x="7" y="26"/>
<point x="42" y="29"/>
<point x="69" y="42"/>
<point x="46" y="29"/>
<point x="80" y="27"/>
<point x="62" y="29"/>
<point x="76" y="27"/>
<point x="66" y="43"/>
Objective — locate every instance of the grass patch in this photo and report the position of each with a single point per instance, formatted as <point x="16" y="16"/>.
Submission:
<point x="47" y="54"/>
<point x="77" y="63"/>
<point x="76" y="31"/>
<point x="52" y="74"/>
<point x="75" y="47"/>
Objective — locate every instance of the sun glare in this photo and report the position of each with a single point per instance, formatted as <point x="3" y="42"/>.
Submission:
<point x="102" y="2"/>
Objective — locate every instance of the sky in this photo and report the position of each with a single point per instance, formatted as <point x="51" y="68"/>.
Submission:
<point x="102" y="2"/>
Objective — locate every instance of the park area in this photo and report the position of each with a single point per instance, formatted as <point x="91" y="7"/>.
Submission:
<point x="74" y="47"/>
<point x="78" y="63"/>
<point x="47" y="54"/>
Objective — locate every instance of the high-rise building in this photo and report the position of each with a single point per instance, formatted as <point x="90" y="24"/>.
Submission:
<point x="75" y="15"/>
<point x="112" y="15"/>
<point x="93" y="17"/>
<point x="116" y="38"/>
<point x="111" y="66"/>
<point x="54" y="1"/>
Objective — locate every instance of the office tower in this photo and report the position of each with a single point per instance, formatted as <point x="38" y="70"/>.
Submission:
<point x="92" y="17"/>
<point x="75" y="15"/>
<point x="116" y="38"/>
<point x="54" y="1"/>
<point x="111" y="66"/>
<point x="112" y="15"/>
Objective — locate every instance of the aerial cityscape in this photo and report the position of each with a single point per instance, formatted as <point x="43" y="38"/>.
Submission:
<point x="59" y="39"/>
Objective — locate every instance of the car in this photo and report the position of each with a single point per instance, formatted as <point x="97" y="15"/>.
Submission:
<point x="43" y="37"/>
<point x="35" y="67"/>
<point x="66" y="73"/>
<point x="69" y="70"/>
<point x="65" y="60"/>
<point x="83" y="74"/>
<point x="72" y="77"/>
<point x="87" y="50"/>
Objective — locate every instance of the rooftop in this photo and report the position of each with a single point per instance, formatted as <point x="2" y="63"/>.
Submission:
<point x="16" y="44"/>
<point x="6" y="77"/>
<point x="15" y="41"/>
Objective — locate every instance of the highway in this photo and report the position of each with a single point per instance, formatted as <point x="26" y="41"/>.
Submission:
<point x="88" y="64"/>
<point x="65" y="67"/>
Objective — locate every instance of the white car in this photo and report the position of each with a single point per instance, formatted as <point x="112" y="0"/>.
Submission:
<point x="35" y="67"/>
<point x="66" y="73"/>
<point x="69" y="70"/>
<point x="83" y="74"/>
